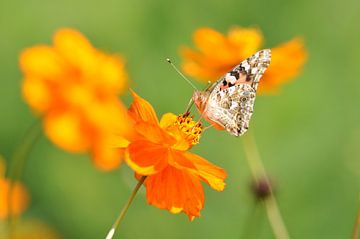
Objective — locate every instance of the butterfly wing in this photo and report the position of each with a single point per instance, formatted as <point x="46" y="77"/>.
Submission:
<point x="248" y="71"/>
<point x="231" y="100"/>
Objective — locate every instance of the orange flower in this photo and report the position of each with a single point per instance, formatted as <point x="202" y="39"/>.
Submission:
<point x="19" y="196"/>
<point x="74" y="87"/>
<point x="217" y="54"/>
<point x="33" y="229"/>
<point x="158" y="150"/>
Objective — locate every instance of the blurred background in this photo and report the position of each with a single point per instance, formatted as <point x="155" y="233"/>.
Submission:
<point x="308" y="134"/>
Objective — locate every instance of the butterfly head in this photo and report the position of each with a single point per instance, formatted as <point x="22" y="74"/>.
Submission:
<point x="200" y="98"/>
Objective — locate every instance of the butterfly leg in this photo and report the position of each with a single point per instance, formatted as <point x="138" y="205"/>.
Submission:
<point x="208" y="127"/>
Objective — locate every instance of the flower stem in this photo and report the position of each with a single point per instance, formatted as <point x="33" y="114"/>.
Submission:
<point x="355" y="233"/>
<point x="18" y="162"/>
<point x="125" y="209"/>
<point x="252" y="221"/>
<point x="259" y="173"/>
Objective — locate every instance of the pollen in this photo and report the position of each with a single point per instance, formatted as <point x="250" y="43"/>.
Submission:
<point x="192" y="129"/>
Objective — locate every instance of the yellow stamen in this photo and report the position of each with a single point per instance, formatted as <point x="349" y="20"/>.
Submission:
<point x="189" y="127"/>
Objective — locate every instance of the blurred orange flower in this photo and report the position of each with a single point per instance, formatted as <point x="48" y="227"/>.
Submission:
<point x="32" y="229"/>
<point x="75" y="88"/>
<point x="159" y="150"/>
<point x="19" y="196"/>
<point x="216" y="54"/>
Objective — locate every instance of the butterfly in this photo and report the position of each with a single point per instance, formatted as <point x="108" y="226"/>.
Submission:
<point x="229" y="102"/>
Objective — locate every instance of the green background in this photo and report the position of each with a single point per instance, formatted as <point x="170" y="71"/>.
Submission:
<point x="308" y="135"/>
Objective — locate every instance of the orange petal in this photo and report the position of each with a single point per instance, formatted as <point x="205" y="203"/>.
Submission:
<point x="75" y="49"/>
<point x="105" y="156"/>
<point x="77" y="95"/>
<point x="42" y="62"/>
<point x="245" y="41"/>
<point x="219" y="53"/>
<point x="208" y="172"/>
<point x="178" y="160"/>
<point x="213" y="44"/>
<point x="109" y="116"/>
<point x="19" y="198"/>
<point x="175" y="190"/>
<point x="208" y="68"/>
<point x="215" y="52"/>
<point x="146" y="158"/>
<point x="36" y="93"/>
<point x="287" y="61"/>
<point x="111" y="71"/>
<point x="202" y="71"/>
<point x="118" y="141"/>
<point x="153" y="133"/>
<point x="67" y="131"/>
<point x="141" y="110"/>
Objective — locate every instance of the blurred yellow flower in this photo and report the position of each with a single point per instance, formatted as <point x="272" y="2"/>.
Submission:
<point x="216" y="54"/>
<point x="19" y="196"/>
<point x="75" y="88"/>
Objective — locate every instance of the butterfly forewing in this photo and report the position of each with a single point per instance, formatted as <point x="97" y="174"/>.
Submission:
<point x="231" y="99"/>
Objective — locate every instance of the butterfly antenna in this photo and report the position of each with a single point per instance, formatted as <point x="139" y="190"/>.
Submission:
<point x="181" y="74"/>
<point x="190" y="104"/>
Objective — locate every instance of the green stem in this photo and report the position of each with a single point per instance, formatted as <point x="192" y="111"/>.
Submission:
<point x="125" y="209"/>
<point x="259" y="173"/>
<point x="252" y="221"/>
<point x="18" y="162"/>
<point x="355" y="233"/>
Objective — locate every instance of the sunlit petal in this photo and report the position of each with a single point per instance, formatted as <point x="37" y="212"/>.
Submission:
<point x="147" y="158"/>
<point x="141" y="110"/>
<point x="287" y="61"/>
<point x="19" y="198"/>
<point x="175" y="190"/>
<point x="68" y="131"/>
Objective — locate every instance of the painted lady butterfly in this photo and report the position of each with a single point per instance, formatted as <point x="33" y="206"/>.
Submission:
<point x="229" y="102"/>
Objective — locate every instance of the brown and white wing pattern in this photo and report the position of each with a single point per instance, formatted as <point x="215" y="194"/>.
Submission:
<point x="231" y="100"/>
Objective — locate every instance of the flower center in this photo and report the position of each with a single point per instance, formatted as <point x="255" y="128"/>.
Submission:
<point x="189" y="127"/>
